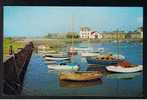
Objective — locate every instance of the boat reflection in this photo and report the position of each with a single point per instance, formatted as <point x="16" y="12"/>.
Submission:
<point x="71" y="84"/>
<point x="123" y="75"/>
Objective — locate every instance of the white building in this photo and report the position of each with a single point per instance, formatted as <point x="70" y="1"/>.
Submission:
<point x="86" y="33"/>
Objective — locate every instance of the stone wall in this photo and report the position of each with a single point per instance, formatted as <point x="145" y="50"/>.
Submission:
<point x="14" y="70"/>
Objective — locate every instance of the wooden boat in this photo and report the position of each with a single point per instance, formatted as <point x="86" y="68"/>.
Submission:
<point x="56" y="58"/>
<point x="80" y="76"/>
<point x="73" y="84"/>
<point x="124" y="67"/>
<point x="64" y="67"/>
<point x="103" y="59"/>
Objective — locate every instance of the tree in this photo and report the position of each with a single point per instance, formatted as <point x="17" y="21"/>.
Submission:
<point x="72" y="34"/>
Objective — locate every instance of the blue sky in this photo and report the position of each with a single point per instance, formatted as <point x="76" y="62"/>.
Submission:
<point x="38" y="21"/>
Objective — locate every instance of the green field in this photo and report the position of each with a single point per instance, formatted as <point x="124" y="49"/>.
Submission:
<point x="15" y="44"/>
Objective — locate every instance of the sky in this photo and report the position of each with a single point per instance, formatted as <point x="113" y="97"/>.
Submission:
<point x="32" y="21"/>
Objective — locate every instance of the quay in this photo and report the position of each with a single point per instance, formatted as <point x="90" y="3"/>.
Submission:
<point x="14" y="70"/>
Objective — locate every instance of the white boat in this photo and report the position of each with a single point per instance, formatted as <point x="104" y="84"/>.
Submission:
<point x="46" y="52"/>
<point x="82" y="49"/>
<point x="100" y="50"/>
<point x="50" y="62"/>
<point x="89" y="54"/>
<point x="56" y="58"/>
<point x="64" y="67"/>
<point x="118" y="56"/>
<point x="118" y="68"/>
<point x="97" y="50"/>
<point x="54" y="55"/>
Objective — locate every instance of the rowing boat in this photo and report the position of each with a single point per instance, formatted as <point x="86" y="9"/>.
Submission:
<point x="89" y="54"/>
<point x="124" y="67"/>
<point x="121" y="69"/>
<point x="64" y="67"/>
<point x="80" y="75"/>
<point x="56" y="58"/>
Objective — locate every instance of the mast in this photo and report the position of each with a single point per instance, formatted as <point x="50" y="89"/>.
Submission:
<point x="72" y="30"/>
<point x="117" y="34"/>
<point x="89" y="40"/>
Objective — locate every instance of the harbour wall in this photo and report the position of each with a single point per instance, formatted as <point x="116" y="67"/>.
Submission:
<point x="14" y="69"/>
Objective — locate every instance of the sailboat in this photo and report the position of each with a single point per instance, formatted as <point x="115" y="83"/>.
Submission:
<point x="124" y="66"/>
<point x="72" y="50"/>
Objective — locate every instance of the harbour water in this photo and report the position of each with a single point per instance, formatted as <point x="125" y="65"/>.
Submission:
<point x="40" y="81"/>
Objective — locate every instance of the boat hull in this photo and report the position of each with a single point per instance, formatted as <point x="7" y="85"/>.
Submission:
<point x="101" y="62"/>
<point x="120" y="69"/>
<point x="56" y="58"/>
<point x="80" y="76"/>
<point x="63" y="67"/>
<point x="89" y="54"/>
<point x="54" y="55"/>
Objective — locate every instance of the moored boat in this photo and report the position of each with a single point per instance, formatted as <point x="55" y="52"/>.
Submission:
<point x="82" y="49"/>
<point x="89" y="54"/>
<point x="80" y="76"/>
<point x="50" y="62"/>
<point x="104" y="59"/>
<point x="64" y="67"/>
<point x="124" y="67"/>
<point x="55" y="55"/>
<point x="56" y="58"/>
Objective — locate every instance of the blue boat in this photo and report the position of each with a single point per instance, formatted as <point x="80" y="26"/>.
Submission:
<point x="94" y="60"/>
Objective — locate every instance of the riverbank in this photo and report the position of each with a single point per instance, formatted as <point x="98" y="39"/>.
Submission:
<point x="15" y="43"/>
<point x="55" y="44"/>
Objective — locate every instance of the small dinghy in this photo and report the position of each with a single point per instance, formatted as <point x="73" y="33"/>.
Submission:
<point x="55" y="55"/>
<point x="64" y="67"/>
<point x="80" y="76"/>
<point x="89" y="54"/>
<point x="124" y="67"/>
<point x="50" y="62"/>
<point x="56" y="58"/>
<point x="82" y="49"/>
